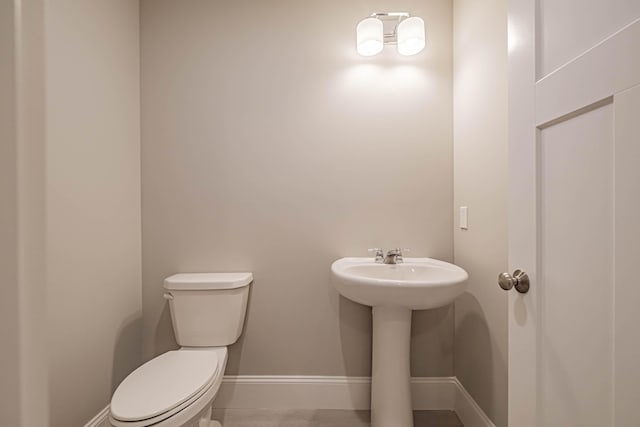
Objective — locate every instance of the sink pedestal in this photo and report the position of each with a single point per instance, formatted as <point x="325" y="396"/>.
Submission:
<point x="391" y="404"/>
<point x="394" y="290"/>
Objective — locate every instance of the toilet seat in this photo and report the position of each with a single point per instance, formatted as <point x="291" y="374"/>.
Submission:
<point x="167" y="385"/>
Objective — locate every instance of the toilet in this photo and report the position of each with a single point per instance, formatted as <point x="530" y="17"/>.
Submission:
<point x="177" y="388"/>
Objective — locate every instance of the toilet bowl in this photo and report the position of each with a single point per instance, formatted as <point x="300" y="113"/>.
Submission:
<point x="177" y="388"/>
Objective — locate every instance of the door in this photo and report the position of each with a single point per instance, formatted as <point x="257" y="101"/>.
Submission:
<point x="574" y="212"/>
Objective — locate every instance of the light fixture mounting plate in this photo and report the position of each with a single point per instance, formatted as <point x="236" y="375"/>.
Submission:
<point x="390" y="21"/>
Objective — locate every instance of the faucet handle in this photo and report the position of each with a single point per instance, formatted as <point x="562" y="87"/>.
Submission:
<point x="379" y="254"/>
<point x="398" y="253"/>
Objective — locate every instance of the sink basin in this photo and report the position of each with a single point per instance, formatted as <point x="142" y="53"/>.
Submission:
<point x="394" y="290"/>
<point x="417" y="284"/>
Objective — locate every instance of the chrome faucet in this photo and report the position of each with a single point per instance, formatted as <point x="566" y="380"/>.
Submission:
<point x="379" y="254"/>
<point x="394" y="256"/>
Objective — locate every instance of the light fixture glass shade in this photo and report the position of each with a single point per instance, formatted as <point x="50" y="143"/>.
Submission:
<point x="370" y="36"/>
<point x="411" y="36"/>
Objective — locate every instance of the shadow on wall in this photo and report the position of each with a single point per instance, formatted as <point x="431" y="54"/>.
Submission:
<point x="476" y="373"/>
<point x="234" y="357"/>
<point x="125" y="360"/>
<point x="355" y="323"/>
<point x="165" y="339"/>
<point x="432" y="342"/>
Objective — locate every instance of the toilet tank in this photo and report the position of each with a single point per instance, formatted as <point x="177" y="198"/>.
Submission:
<point x="207" y="309"/>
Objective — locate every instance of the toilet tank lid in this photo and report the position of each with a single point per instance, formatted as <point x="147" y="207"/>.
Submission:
<point x="207" y="281"/>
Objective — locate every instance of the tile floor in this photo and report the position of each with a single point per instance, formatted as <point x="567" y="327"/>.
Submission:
<point x="322" y="418"/>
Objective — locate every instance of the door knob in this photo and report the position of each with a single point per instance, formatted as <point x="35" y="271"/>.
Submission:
<point x="519" y="280"/>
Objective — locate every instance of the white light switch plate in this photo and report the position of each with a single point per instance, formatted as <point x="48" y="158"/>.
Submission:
<point x="464" y="218"/>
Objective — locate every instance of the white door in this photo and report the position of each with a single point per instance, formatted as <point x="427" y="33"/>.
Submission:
<point x="574" y="212"/>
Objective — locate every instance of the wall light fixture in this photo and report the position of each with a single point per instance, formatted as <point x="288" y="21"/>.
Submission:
<point x="382" y="28"/>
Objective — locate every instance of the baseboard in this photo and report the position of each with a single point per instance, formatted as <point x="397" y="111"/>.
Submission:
<point x="100" y="420"/>
<point x="468" y="410"/>
<point x="318" y="392"/>
<point x="352" y="393"/>
<point x="294" y="392"/>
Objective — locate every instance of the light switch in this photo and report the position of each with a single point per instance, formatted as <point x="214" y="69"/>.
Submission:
<point x="464" y="218"/>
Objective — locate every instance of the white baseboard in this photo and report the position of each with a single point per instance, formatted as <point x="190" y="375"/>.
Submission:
<point x="313" y="392"/>
<point x="468" y="410"/>
<point x="351" y="393"/>
<point x="100" y="420"/>
<point x="294" y="392"/>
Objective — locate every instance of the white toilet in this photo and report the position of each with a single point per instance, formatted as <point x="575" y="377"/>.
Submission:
<point x="177" y="388"/>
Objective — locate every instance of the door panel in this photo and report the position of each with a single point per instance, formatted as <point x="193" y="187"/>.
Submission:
<point x="574" y="203"/>
<point x="566" y="28"/>
<point x="575" y="280"/>
<point x="608" y="68"/>
<point x="627" y="258"/>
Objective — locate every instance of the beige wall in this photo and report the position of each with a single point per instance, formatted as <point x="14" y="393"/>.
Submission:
<point x="269" y="145"/>
<point x="9" y="314"/>
<point x="93" y="203"/>
<point x="480" y="178"/>
<point x="23" y="379"/>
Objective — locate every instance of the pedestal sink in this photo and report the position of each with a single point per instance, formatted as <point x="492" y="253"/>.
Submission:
<point x="393" y="290"/>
